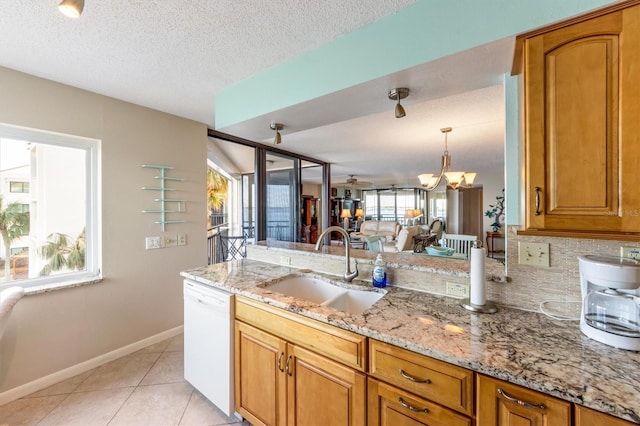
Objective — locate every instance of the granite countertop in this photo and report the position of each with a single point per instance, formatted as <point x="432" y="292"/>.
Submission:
<point x="521" y="347"/>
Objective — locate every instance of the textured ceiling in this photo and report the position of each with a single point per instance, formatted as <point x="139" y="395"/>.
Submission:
<point x="175" y="55"/>
<point x="172" y="55"/>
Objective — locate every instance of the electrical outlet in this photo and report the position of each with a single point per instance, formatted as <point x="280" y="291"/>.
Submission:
<point x="182" y="239"/>
<point x="170" y="240"/>
<point x="458" y="290"/>
<point x="285" y="260"/>
<point x="152" y="243"/>
<point x="536" y="254"/>
<point x="630" y="252"/>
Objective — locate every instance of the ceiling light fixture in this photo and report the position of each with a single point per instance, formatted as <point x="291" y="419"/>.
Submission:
<point x="455" y="180"/>
<point x="71" y="8"/>
<point x="396" y="95"/>
<point x="277" y="127"/>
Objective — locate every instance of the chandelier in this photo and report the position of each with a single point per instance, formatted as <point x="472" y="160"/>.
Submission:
<point x="455" y="180"/>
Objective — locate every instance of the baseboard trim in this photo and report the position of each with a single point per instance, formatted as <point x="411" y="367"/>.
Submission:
<point x="67" y="373"/>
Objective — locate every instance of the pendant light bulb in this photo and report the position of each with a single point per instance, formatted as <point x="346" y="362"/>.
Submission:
<point x="277" y="127"/>
<point x="396" y="95"/>
<point x="400" y="112"/>
<point x="71" y="8"/>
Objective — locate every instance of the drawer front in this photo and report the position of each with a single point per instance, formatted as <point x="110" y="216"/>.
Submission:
<point x="340" y="345"/>
<point x="502" y="403"/>
<point x="435" y="380"/>
<point x="588" y="417"/>
<point x="390" y="406"/>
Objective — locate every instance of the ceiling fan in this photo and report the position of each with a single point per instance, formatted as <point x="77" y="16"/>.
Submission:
<point x="352" y="181"/>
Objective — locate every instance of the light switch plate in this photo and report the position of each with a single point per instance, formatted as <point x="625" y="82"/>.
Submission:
<point x="170" y="240"/>
<point x="153" y="243"/>
<point x="536" y="254"/>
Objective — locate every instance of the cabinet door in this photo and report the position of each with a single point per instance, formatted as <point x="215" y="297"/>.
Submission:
<point x="588" y="417"/>
<point x="503" y="404"/>
<point x="322" y="392"/>
<point x="260" y="378"/>
<point x="390" y="406"/>
<point x="581" y="126"/>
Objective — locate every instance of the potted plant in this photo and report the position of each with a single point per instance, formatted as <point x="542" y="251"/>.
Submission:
<point x="496" y="212"/>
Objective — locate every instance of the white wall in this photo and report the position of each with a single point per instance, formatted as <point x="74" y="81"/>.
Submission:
<point x="141" y="294"/>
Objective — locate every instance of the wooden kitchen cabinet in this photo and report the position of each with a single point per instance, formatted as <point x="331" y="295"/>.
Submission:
<point x="581" y="91"/>
<point x="260" y="385"/>
<point x="588" y="417"/>
<point x="390" y="406"/>
<point x="279" y="382"/>
<point x="323" y="392"/>
<point x="446" y="384"/>
<point x="504" y="404"/>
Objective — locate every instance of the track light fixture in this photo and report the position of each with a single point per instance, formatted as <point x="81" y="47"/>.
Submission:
<point x="396" y="95"/>
<point x="277" y="127"/>
<point x="71" y="8"/>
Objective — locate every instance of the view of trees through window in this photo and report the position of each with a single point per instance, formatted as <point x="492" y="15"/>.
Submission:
<point x="217" y="193"/>
<point x="43" y="209"/>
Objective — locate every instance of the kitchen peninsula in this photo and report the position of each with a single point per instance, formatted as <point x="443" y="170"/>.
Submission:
<point x="517" y="346"/>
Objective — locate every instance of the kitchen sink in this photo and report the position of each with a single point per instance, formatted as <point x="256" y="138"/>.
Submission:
<point x="354" y="301"/>
<point x="307" y="288"/>
<point x="325" y="293"/>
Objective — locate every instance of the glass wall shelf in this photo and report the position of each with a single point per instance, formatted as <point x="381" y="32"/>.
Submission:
<point x="163" y="200"/>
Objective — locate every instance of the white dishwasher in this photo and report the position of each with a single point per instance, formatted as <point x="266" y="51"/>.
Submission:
<point x="208" y="343"/>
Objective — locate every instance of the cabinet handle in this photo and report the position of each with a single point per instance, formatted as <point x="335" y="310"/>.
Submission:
<point x="411" y="407"/>
<point x="413" y="379"/>
<point x="289" y="372"/>
<point x="280" y="362"/>
<point x="517" y="401"/>
<point x="537" y="189"/>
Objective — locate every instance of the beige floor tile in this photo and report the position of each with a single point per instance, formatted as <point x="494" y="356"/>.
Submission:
<point x="64" y="387"/>
<point x="88" y="408"/>
<point x="176" y="344"/>
<point x="201" y="412"/>
<point x="168" y="369"/>
<point x="120" y="373"/>
<point x="154" y="405"/>
<point x="28" y="411"/>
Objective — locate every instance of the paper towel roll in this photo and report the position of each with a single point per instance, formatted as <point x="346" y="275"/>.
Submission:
<point x="478" y="285"/>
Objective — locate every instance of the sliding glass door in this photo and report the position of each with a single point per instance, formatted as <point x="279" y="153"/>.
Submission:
<point x="283" y="196"/>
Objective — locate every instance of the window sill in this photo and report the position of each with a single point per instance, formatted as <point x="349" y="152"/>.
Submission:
<point x="45" y="288"/>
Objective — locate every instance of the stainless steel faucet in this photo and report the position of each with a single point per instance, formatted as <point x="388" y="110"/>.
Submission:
<point x="348" y="275"/>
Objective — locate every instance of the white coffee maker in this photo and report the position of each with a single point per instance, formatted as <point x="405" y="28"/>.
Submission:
<point x="611" y="300"/>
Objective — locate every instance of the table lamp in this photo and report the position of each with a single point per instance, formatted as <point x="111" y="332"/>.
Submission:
<point x="359" y="216"/>
<point x="345" y="215"/>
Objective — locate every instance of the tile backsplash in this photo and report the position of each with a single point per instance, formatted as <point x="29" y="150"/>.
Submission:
<point x="560" y="282"/>
<point x="527" y="286"/>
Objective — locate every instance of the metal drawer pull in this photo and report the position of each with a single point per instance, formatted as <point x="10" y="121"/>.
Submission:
<point x="537" y="189"/>
<point x="413" y="379"/>
<point x="517" y="401"/>
<point x="289" y="372"/>
<point x="411" y="407"/>
<point x="280" y="362"/>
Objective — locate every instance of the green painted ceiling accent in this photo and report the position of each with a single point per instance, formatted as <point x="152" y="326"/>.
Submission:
<point x="422" y="32"/>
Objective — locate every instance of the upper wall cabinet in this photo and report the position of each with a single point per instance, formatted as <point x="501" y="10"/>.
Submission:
<point x="582" y="126"/>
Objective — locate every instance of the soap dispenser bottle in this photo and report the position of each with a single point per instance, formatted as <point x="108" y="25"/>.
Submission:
<point x="379" y="273"/>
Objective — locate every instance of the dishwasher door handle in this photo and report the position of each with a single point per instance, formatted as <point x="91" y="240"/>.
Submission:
<point x="203" y="299"/>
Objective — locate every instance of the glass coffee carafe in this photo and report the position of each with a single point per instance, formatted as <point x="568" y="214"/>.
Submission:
<point x="613" y="311"/>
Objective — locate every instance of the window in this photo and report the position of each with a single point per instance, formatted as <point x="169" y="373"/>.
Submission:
<point x="22" y="187"/>
<point x="50" y="207"/>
